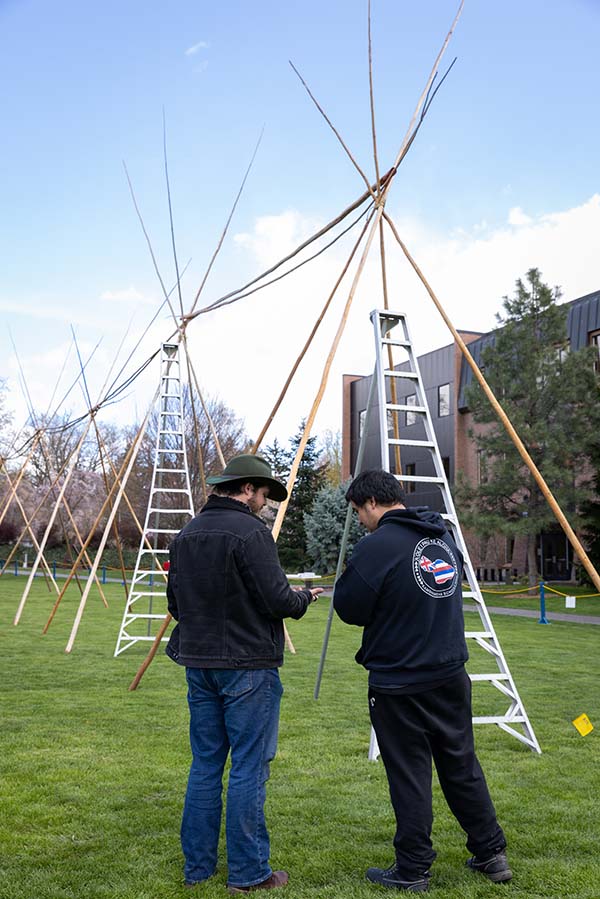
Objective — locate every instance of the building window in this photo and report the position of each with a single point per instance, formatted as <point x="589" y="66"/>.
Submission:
<point x="390" y="422"/>
<point x="443" y="400"/>
<point x="362" y="417"/>
<point x="595" y="342"/>
<point x="411" y="417"/>
<point x="510" y="548"/>
<point x="410" y="469"/>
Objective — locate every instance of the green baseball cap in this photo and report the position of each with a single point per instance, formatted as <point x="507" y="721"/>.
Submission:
<point x="251" y="468"/>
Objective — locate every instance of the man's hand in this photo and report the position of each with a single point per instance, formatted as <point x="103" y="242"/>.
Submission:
<point x="315" y="592"/>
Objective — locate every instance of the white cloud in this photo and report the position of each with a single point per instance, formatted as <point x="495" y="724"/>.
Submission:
<point x="517" y="217"/>
<point x="127" y="295"/>
<point x="274" y="236"/>
<point x="201" y="45"/>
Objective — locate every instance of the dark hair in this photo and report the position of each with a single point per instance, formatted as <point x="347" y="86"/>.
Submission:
<point x="375" y="484"/>
<point x="233" y="488"/>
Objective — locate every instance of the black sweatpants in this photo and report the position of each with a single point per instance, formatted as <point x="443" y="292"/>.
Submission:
<point x="413" y="729"/>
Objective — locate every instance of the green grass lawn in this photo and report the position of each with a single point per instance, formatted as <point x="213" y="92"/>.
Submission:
<point x="93" y="777"/>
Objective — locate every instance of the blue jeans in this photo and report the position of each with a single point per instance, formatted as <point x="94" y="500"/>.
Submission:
<point x="235" y="710"/>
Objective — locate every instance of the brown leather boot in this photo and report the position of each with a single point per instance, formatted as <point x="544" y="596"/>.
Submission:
<point x="277" y="879"/>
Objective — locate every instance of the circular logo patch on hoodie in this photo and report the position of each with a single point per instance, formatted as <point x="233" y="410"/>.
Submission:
<point x="435" y="567"/>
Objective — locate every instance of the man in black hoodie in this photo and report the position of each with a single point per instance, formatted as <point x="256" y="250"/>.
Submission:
<point x="229" y="595"/>
<point x="403" y="585"/>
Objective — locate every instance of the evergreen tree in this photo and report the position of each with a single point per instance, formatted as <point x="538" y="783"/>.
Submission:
<point x="552" y="398"/>
<point x="324" y="526"/>
<point x="309" y="480"/>
<point x="590" y="512"/>
<point x="278" y="458"/>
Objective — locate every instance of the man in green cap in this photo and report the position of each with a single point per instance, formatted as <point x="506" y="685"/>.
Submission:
<point x="229" y="595"/>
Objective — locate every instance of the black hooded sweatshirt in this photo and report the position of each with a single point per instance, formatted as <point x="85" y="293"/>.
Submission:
<point x="403" y="584"/>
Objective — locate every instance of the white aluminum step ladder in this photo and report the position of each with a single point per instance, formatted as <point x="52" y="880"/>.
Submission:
<point x="514" y="720"/>
<point x="169" y="509"/>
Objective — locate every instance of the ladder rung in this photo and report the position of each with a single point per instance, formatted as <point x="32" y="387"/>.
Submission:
<point x="489" y="677"/>
<point x="133" y="640"/>
<point x="499" y="719"/>
<point x="401" y="407"/>
<point x="393" y="441"/>
<point x="478" y="635"/>
<point x="163" y="451"/>
<point x="135" y="617"/>
<point x="145" y="571"/>
<point x="169" y="490"/>
<point x="161" y="531"/>
<point x="146" y="550"/>
<point x="164" y="511"/>
<point x="390" y="342"/>
<point x="171" y="470"/>
<point x="420" y="479"/>
<point x="388" y="373"/>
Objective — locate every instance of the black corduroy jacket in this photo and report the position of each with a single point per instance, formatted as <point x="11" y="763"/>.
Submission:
<point x="228" y="592"/>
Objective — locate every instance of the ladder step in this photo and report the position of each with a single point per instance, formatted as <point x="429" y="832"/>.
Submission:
<point x="400" y="442"/>
<point x="164" y="511"/>
<point x="499" y="719"/>
<point x="489" y="677"/>
<point x="133" y="640"/>
<point x="401" y="407"/>
<point x="153" y="551"/>
<point x="420" y="479"/>
<point x="169" y="490"/>
<point x="476" y="635"/>
<point x="181" y="471"/>
<point x="161" y="531"/>
<point x="411" y="375"/>
<point x="388" y="341"/>
<point x="134" y="616"/>
<point x="137" y="593"/>
<point x="145" y="571"/>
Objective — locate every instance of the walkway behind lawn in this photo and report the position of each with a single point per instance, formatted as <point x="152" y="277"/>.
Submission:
<point x="535" y="613"/>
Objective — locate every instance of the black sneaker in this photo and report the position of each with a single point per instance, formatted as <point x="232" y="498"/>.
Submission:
<point x="495" y="867"/>
<point x="391" y="878"/>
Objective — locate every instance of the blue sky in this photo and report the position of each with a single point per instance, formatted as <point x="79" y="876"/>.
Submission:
<point x="503" y="176"/>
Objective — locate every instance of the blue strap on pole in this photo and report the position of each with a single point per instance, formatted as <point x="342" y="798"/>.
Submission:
<point x="542" y="619"/>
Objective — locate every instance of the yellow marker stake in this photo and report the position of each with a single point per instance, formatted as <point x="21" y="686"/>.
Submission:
<point x="583" y="725"/>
